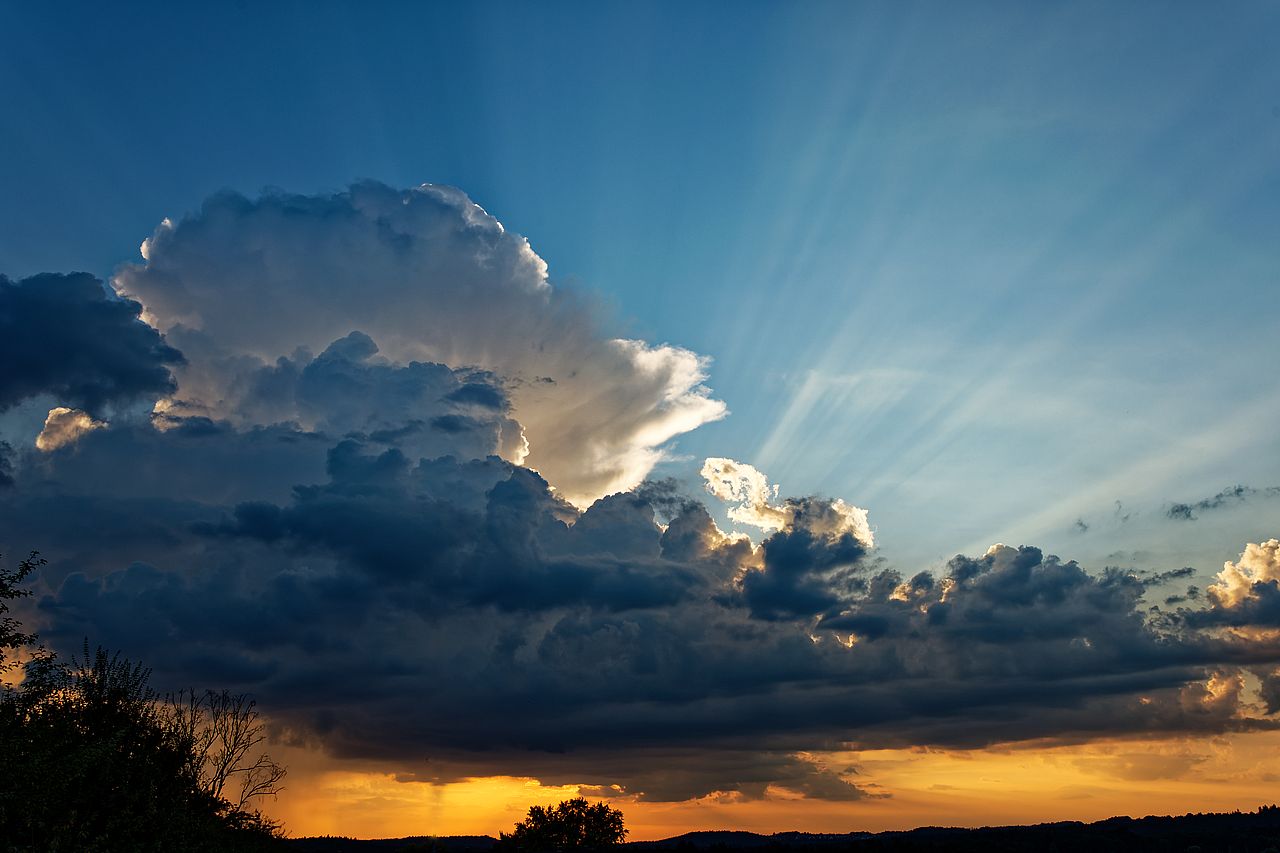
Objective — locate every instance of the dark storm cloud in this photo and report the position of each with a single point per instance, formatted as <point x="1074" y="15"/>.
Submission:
<point x="473" y="617"/>
<point x="1261" y="608"/>
<point x="805" y="573"/>
<point x="1228" y="497"/>
<point x="64" y="336"/>
<point x="480" y="394"/>
<point x="198" y="459"/>
<point x="516" y="554"/>
<point x="141" y="482"/>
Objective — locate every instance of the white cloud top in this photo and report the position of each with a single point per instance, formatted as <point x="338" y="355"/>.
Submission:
<point x="429" y="276"/>
<point x="1259" y="563"/>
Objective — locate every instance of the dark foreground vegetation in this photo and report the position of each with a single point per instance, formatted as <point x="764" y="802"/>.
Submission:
<point x="1252" y="832"/>
<point x="92" y="759"/>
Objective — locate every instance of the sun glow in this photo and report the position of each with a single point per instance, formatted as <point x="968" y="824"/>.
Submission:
<point x="912" y="787"/>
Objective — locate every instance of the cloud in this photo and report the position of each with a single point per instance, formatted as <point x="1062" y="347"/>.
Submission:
<point x="425" y="409"/>
<point x="757" y="506"/>
<point x="485" y="622"/>
<point x="807" y="565"/>
<point x="397" y="493"/>
<point x="735" y="775"/>
<point x="1270" y="690"/>
<point x="1160" y="578"/>
<point x="64" y="336"/>
<point x="1257" y="569"/>
<point x="429" y="276"/>
<point x="1245" y="596"/>
<point x="1225" y="498"/>
<point x="64" y="426"/>
<point x="737" y="482"/>
<point x="1143" y="767"/>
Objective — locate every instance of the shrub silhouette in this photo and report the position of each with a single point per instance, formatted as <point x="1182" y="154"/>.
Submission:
<point x="91" y="758"/>
<point x="572" y="825"/>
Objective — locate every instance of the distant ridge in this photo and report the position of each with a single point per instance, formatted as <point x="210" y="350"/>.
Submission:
<point x="411" y="844"/>
<point x="1234" y="832"/>
<point x="743" y="840"/>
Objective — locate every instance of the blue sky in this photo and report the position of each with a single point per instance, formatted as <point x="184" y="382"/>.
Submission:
<point x="983" y="269"/>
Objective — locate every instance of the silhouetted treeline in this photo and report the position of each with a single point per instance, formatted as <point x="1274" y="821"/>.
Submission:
<point x="91" y="759"/>
<point x="1251" y="832"/>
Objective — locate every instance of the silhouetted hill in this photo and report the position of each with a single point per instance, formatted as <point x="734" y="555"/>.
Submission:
<point x="1252" y="832"/>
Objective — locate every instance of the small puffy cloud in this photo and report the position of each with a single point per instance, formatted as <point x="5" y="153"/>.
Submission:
<point x="757" y="506"/>
<point x="64" y="426"/>
<point x="746" y="486"/>
<point x="431" y="277"/>
<point x="67" y="337"/>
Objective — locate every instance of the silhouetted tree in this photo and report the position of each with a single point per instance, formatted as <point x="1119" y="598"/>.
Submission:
<point x="11" y="638"/>
<point x="572" y="825"/>
<point x="224" y="731"/>
<point x="91" y="758"/>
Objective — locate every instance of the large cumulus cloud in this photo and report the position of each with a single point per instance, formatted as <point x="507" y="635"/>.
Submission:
<point x="397" y="493"/>
<point x="429" y="276"/>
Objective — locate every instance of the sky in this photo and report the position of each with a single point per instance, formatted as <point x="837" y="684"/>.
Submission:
<point x="827" y="416"/>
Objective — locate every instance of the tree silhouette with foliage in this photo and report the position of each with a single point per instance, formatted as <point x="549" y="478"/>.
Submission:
<point x="572" y="825"/>
<point x="11" y="637"/>
<point x="91" y="758"/>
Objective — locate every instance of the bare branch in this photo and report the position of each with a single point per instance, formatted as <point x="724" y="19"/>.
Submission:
<point x="225" y="732"/>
